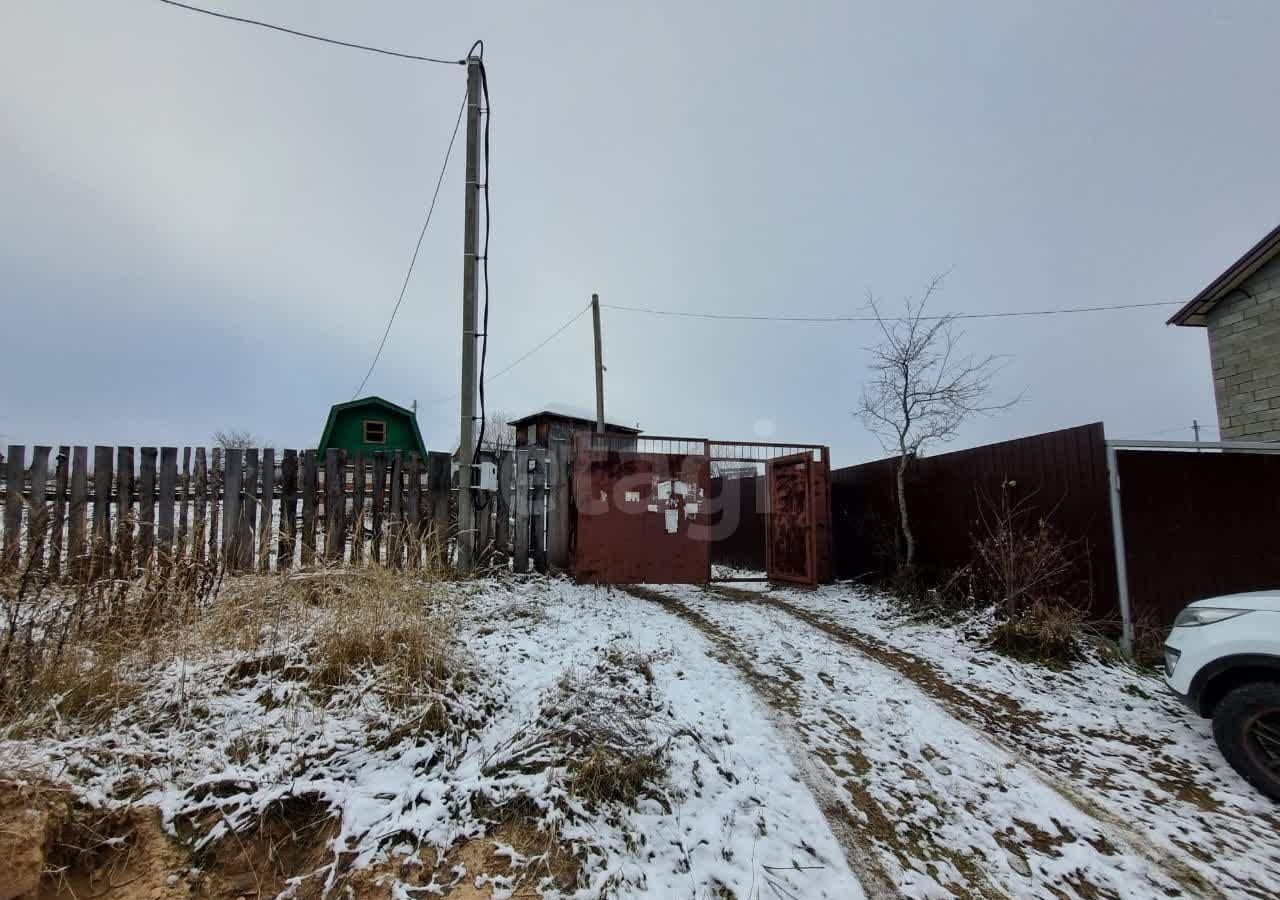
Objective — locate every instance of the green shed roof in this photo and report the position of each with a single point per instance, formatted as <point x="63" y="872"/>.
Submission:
<point x="375" y="403"/>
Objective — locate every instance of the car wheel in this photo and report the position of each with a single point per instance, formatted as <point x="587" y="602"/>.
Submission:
<point x="1246" y="726"/>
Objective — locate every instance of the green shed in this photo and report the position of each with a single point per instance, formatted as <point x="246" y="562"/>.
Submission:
<point x="371" y="424"/>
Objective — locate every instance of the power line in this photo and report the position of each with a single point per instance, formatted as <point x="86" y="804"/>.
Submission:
<point x="417" y="247"/>
<point x="313" y="37"/>
<point x="549" y="338"/>
<point x="995" y="315"/>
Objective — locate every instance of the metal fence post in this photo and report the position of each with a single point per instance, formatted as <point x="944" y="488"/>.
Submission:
<point x="1117" y="544"/>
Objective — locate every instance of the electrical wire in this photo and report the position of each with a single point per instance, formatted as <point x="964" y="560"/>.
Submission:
<point x="313" y="37"/>
<point x="409" y="274"/>
<point x="995" y="315"/>
<point x="548" y="339"/>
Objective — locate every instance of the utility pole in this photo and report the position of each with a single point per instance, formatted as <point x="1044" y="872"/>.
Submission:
<point x="1195" y="427"/>
<point x="470" y="243"/>
<point x="595" y="318"/>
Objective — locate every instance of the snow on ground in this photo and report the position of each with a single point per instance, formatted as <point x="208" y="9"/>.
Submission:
<point x="218" y="742"/>
<point x="1107" y="732"/>
<point x="949" y="813"/>
<point x="1105" y="736"/>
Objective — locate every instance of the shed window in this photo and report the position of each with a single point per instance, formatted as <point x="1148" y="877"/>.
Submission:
<point x="375" y="431"/>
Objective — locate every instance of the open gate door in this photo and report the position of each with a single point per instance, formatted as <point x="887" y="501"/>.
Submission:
<point x="798" y="545"/>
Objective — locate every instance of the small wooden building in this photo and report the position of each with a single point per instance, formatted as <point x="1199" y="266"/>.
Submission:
<point x="558" y="421"/>
<point x="371" y="424"/>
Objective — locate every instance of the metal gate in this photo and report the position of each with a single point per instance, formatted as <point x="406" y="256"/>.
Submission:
<point x="643" y="509"/>
<point x="798" y="541"/>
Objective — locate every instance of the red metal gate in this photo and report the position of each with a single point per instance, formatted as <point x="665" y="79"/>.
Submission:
<point x="798" y="546"/>
<point x="641" y="516"/>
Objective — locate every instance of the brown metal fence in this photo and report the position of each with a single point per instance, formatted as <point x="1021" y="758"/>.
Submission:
<point x="1198" y="525"/>
<point x="1061" y="475"/>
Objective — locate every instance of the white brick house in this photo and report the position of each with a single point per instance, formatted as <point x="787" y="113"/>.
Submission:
<point x="1241" y="310"/>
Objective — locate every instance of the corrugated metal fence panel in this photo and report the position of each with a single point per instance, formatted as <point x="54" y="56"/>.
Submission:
<point x="1197" y="525"/>
<point x="1061" y="473"/>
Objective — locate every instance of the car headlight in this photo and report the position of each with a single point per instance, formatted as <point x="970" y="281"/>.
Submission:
<point x="1205" y="615"/>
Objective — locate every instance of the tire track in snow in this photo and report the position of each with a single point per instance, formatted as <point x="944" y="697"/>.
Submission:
<point x="950" y="813"/>
<point x="991" y="713"/>
<point x="861" y="856"/>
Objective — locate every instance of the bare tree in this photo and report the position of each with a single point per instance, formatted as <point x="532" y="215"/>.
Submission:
<point x="921" y="389"/>
<point x="499" y="435"/>
<point x="235" y="439"/>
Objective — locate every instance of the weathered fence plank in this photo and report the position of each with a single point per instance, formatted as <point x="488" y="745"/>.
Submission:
<point x="413" y="512"/>
<point x="14" y="474"/>
<point x="309" y="486"/>
<point x="59" y="522"/>
<point x="101" y="513"/>
<point x="232" y="483"/>
<point x="38" y="514"/>
<point x="439" y="466"/>
<point x="249" y="509"/>
<point x="198" y="533"/>
<point x="217" y="489"/>
<point x="378" y="500"/>
<point x="184" y="479"/>
<point x="523" y="509"/>
<point x="502" y="511"/>
<point x="332" y="504"/>
<point x="288" y="510"/>
<point x="77" y="514"/>
<point x="124" y="513"/>
<point x="357" y="509"/>
<point x="558" y="483"/>
<point x="146" y="506"/>
<point x="168" y="494"/>
<point x="264" y="512"/>
<point x="538" y="510"/>
<point x="395" y="525"/>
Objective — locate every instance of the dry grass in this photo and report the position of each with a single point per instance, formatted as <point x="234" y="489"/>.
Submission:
<point x="81" y="651"/>
<point x="1048" y="632"/>
<point x="605" y="774"/>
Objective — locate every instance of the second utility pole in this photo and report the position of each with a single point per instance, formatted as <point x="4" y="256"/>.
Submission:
<point x="595" y="317"/>
<point x="470" y="242"/>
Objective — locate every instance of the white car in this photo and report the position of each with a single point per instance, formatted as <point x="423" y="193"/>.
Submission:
<point x="1222" y="658"/>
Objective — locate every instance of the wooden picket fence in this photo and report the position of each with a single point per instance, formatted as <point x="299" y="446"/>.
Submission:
<point x="255" y="510"/>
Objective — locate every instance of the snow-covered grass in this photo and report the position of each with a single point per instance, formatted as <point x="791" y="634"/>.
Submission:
<point x="511" y="737"/>
<point x="589" y="720"/>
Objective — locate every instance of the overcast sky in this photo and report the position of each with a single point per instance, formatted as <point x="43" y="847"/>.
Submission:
<point x="205" y="225"/>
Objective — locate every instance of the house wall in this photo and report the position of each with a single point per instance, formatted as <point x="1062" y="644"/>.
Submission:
<point x="1244" y="345"/>
<point x="348" y="431"/>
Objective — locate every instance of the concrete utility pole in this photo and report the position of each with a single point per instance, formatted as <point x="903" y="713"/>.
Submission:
<point x="595" y="318"/>
<point x="470" y="243"/>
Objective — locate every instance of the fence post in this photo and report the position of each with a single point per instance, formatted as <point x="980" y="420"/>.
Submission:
<point x="249" y="509"/>
<point x="184" y="480"/>
<point x="14" y="472"/>
<point x="378" y="502"/>
<point x="1117" y="546"/>
<point x="395" y="525"/>
<point x="217" y="502"/>
<point x="413" y="512"/>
